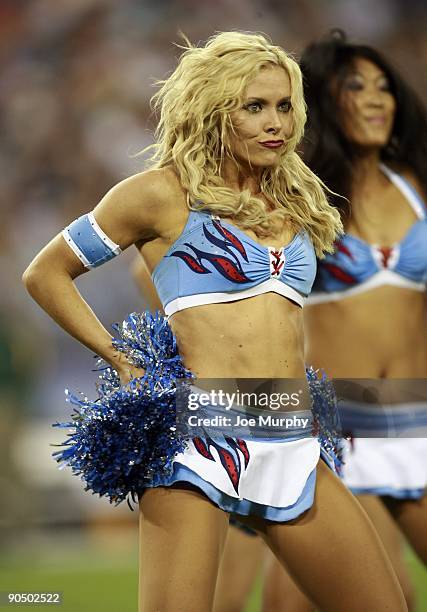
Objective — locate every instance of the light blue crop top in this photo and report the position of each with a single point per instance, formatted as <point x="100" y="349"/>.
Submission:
<point x="357" y="266"/>
<point x="213" y="261"/>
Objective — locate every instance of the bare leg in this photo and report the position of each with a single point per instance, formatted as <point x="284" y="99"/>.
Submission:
<point x="334" y="554"/>
<point x="241" y="562"/>
<point x="182" y="535"/>
<point x="280" y="593"/>
<point x="411" y="516"/>
<point x="393" y="541"/>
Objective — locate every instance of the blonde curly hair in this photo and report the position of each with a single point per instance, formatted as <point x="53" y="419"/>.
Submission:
<point x="194" y="106"/>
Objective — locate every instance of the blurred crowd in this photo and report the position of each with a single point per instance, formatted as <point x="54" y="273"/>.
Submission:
<point x="76" y="78"/>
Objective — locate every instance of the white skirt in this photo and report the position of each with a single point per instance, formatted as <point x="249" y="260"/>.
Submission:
<point x="256" y="470"/>
<point x="394" y="466"/>
<point x="274" y="480"/>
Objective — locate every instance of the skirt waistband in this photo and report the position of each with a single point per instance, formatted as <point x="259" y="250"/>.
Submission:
<point x="362" y="420"/>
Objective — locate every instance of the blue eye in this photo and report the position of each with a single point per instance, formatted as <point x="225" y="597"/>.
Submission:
<point x="253" y="107"/>
<point x="285" y="107"/>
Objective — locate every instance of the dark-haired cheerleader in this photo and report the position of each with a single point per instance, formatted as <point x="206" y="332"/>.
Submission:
<point x="367" y="140"/>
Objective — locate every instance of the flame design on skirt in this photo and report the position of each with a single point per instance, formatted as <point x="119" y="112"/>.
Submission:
<point x="228" y="455"/>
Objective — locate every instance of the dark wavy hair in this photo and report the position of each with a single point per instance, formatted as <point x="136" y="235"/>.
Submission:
<point x="326" y="150"/>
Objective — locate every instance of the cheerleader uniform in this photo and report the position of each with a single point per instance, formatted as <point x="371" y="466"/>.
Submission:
<point x="388" y="454"/>
<point x="214" y="262"/>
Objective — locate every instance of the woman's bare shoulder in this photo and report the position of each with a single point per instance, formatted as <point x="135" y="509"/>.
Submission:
<point x="412" y="178"/>
<point x="150" y="189"/>
<point x="145" y="199"/>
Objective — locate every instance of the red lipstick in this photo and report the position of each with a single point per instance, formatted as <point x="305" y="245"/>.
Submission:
<point x="272" y="144"/>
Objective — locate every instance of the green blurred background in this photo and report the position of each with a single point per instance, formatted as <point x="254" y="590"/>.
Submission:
<point x="99" y="574"/>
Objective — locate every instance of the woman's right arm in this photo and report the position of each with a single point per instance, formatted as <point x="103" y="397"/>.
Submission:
<point x="130" y="212"/>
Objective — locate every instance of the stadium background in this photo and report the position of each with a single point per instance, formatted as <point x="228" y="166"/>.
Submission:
<point x="75" y="82"/>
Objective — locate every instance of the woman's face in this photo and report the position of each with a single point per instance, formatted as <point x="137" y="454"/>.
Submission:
<point x="264" y="122"/>
<point x="368" y="107"/>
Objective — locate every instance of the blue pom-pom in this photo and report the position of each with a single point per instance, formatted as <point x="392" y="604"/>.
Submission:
<point x="326" y="421"/>
<point x="127" y="438"/>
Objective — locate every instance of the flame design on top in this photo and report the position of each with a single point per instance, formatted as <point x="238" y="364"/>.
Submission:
<point x="336" y="271"/>
<point x="227" y="267"/>
<point x="191" y="262"/>
<point x="231" y="238"/>
<point x="340" y="246"/>
<point x="340" y="274"/>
